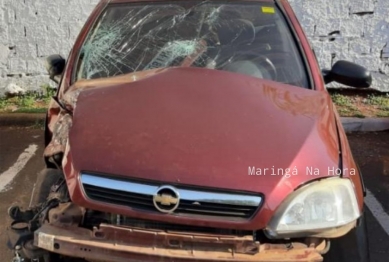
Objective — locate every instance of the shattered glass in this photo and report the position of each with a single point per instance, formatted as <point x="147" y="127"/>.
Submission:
<point x="235" y="37"/>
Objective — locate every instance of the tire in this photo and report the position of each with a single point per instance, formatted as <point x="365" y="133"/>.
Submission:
<point x="352" y="247"/>
<point x="45" y="180"/>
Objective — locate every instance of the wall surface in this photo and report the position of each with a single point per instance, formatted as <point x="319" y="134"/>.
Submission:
<point x="356" y="30"/>
<point x="30" y="30"/>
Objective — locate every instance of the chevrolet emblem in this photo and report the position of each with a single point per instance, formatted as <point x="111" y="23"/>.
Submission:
<point x="166" y="199"/>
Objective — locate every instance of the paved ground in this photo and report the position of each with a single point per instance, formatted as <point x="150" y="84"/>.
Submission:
<point x="371" y="151"/>
<point x="13" y="142"/>
<point x="17" y="152"/>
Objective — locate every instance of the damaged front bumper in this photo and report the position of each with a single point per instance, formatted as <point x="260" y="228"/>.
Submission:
<point x="116" y="244"/>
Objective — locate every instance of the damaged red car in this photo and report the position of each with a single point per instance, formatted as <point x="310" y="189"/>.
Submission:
<point x="194" y="131"/>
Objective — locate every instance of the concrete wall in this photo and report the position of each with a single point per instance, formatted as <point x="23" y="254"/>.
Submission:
<point x="33" y="29"/>
<point x="357" y="30"/>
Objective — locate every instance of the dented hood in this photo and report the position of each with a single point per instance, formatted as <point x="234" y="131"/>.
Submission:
<point x="206" y="128"/>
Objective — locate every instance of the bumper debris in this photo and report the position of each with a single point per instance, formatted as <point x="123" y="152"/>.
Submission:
<point x="114" y="243"/>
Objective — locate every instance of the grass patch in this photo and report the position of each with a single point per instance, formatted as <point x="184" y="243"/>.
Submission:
<point x="346" y="106"/>
<point x="31" y="110"/>
<point x="341" y="100"/>
<point x="30" y="102"/>
<point x="383" y="114"/>
<point x="378" y="100"/>
<point x="361" y="104"/>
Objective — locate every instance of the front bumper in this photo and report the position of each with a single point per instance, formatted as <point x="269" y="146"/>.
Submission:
<point x="117" y="244"/>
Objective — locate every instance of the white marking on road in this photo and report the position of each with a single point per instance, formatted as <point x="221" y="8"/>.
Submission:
<point x="377" y="210"/>
<point x="9" y="175"/>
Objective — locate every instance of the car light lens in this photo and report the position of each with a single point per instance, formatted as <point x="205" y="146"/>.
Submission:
<point x="317" y="207"/>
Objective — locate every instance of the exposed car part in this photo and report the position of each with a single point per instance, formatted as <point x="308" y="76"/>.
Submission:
<point x="50" y="192"/>
<point x="178" y="247"/>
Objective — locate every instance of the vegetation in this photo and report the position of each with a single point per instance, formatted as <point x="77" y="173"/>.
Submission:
<point x="30" y="102"/>
<point x="361" y="104"/>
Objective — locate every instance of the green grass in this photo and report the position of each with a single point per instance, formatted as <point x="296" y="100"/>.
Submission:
<point x="341" y="100"/>
<point x="373" y="105"/>
<point x="31" y="110"/>
<point x="27" y="101"/>
<point x="382" y="101"/>
<point x="345" y="106"/>
<point x="30" y="102"/>
<point x="383" y="114"/>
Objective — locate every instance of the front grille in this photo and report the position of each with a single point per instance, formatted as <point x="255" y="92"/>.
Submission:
<point x="212" y="209"/>
<point x="192" y="202"/>
<point x="133" y="200"/>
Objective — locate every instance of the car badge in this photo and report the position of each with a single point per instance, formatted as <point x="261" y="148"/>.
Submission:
<point x="166" y="199"/>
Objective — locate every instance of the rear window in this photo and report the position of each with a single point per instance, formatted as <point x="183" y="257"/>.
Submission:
<point x="249" y="38"/>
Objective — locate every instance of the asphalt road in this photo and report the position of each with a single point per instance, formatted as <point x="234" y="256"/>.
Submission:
<point x="21" y="159"/>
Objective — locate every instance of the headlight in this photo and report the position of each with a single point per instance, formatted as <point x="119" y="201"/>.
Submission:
<point x="315" y="208"/>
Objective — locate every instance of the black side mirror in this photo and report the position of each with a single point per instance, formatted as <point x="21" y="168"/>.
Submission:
<point x="349" y="74"/>
<point x="55" y="64"/>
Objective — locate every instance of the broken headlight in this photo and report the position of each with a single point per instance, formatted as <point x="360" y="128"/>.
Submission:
<point x="314" y="209"/>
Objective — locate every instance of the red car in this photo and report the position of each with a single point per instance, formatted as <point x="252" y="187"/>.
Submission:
<point x="194" y="131"/>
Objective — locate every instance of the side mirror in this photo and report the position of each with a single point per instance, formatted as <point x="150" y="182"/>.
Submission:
<point x="349" y="74"/>
<point x="55" y="64"/>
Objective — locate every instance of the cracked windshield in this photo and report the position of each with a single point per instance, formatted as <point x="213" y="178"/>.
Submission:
<point x="246" y="38"/>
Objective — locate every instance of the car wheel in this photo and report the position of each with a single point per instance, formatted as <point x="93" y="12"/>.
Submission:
<point x="352" y="247"/>
<point x="44" y="182"/>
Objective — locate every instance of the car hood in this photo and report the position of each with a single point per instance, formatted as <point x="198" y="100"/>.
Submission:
<point x="205" y="128"/>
